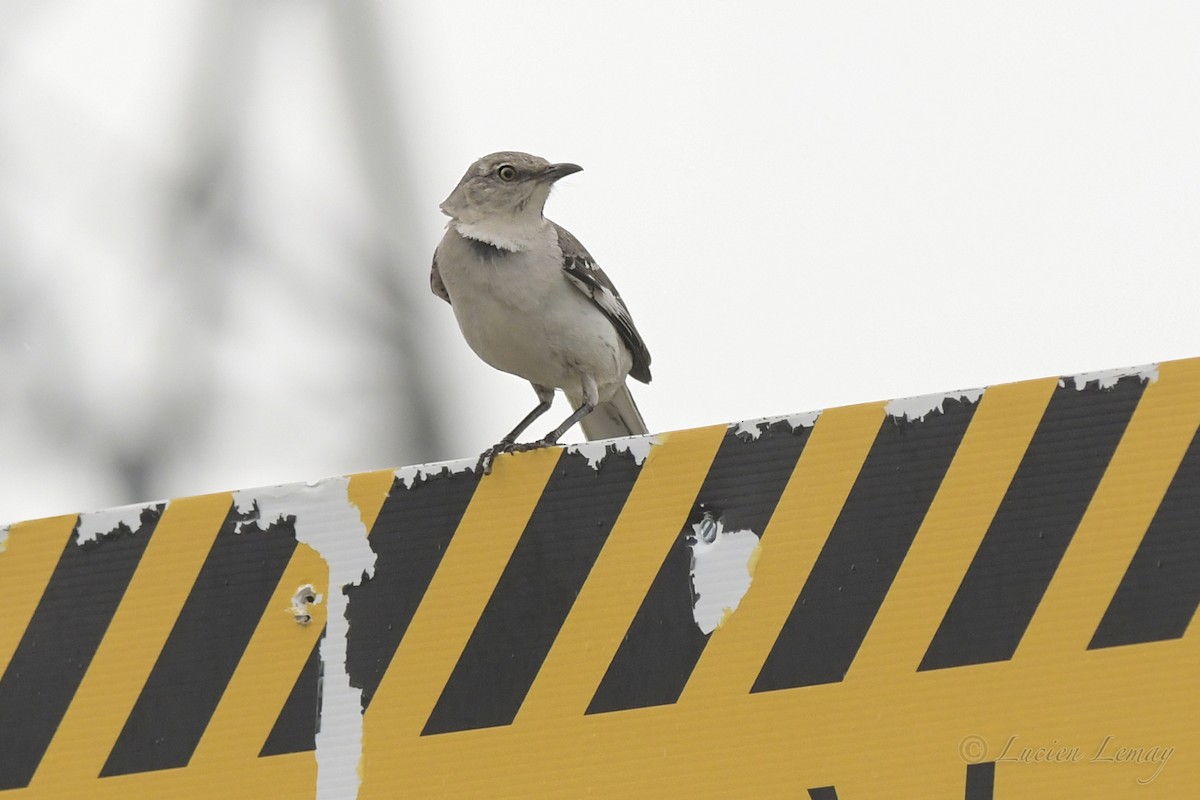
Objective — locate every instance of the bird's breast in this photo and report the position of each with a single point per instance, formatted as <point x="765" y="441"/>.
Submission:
<point x="477" y="278"/>
<point x="520" y="314"/>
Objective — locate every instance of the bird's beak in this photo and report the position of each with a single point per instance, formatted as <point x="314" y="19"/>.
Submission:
<point x="556" y="171"/>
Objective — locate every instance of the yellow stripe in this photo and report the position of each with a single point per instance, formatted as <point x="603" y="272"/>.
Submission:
<point x="1133" y="486"/>
<point x="978" y="477"/>
<point x="30" y="555"/>
<point x="807" y="510"/>
<point x="269" y="667"/>
<point x="655" y="512"/>
<point x="368" y="491"/>
<point x="132" y="644"/>
<point x="474" y="560"/>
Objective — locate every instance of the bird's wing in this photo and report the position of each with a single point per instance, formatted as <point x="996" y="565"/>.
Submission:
<point x="435" y="281"/>
<point x="587" y="276"/>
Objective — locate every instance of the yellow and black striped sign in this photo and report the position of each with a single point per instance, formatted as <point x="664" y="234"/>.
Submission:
<point x="986" y="599"/>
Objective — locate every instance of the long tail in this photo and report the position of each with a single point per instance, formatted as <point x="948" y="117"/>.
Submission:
<point x="617" y="416"/>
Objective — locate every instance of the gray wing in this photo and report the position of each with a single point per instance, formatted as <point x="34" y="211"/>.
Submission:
<point x="587" y="276"/>
<point x="435" y="281"/>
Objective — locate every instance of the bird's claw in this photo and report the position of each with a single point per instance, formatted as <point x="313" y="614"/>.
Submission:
<point x="488" y="457"/>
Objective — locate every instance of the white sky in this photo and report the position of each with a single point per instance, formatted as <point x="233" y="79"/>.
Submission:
<point x="804" y="205"/>
<point x="814" y="204"/>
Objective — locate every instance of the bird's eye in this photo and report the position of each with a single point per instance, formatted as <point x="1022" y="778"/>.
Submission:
<point x="506" y="172"/>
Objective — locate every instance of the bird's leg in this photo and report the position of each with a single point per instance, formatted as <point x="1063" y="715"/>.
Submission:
<point x="552" y="437"/>
<point x="588" y="402"/>
<point x="542" y="407"/>
<point x="508" y="443"/>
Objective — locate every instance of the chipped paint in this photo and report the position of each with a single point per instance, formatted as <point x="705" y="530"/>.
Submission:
<point x="637" y="446"/>
<point x="1108" y="378"/>
<point x="3" y="537"/>
<point x="411" y="476"/>
<point x="304" y="597"/>
<point x="805" y="419"/>
<point x="722" y="568"/>
<point x="595" y="452"/>
<point x="327" y="520"/>
<point x="94" y="524"/>
<point x="915" y="409"/>
<point x="755" y="427"/>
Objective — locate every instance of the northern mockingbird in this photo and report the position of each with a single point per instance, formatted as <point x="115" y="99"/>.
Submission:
<point x="532" y="302"/>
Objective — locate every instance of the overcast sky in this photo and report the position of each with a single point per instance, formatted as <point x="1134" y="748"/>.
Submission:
<point x="805" y="205"/>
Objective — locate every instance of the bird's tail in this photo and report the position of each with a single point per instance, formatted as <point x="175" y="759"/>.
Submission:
<point x="617" y="416"/>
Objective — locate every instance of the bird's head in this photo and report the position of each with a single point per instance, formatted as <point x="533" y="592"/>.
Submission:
<point x="502" y="189"/>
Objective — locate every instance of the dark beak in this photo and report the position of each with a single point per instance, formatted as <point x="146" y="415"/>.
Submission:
<point x="556" y="171"/>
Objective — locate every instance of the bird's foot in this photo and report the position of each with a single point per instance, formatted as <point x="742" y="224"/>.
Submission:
<point x="488" y="457"/>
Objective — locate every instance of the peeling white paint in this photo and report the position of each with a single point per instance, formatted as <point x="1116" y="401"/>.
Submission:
<point x="3" y="538"/>
<point x="411" y="476"/>
<point x="750" y="427"/>
<point x="1108" y="378"/>
<point x="94" y="524"/>
<point x="637" y="446"/>
<point x="327" y="521"/>
<point x="805" y="419"/>
<point x="722" y="569"/>
<point x="755" y="427"/>
<point x="595" y="452"/>
<point x="915" y="409"/>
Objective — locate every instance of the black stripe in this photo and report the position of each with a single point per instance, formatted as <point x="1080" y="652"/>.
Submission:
<point x="868" y="542"/>
<point x="214" y="626"/>
<point x="663" y="643"/>
<point x="823" y="793"/>
<point x="1158" y="596"/>
<point x="981" y="781"/>
<point x="410" y="536"/>
<point x="547" y="569"/>
<point x="57" y="647"/>
<point x="1023" y="546"/>
<point x="295" y="729"/>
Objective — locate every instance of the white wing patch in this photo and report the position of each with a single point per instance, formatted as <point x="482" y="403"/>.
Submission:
<point x="608" y="302"/>
<point x="604" y="297"/>
<point x="575" y="279"/>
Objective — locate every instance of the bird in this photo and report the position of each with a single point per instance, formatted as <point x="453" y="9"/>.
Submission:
<point x="532" y="302"/>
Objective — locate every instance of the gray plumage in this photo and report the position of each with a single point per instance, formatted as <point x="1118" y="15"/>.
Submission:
<point x="530" y="300"/>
